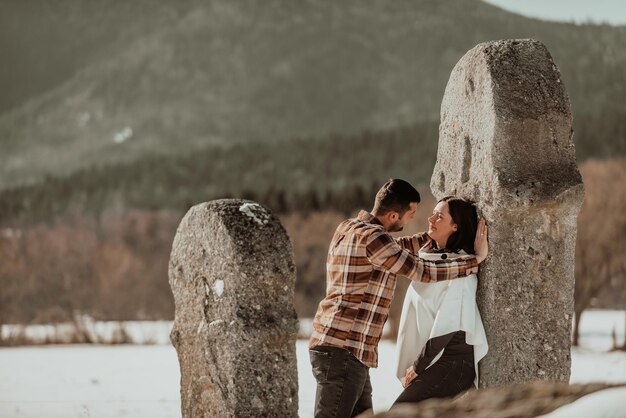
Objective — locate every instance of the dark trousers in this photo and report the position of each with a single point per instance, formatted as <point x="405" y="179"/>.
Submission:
<point x="445" y="379"/>
<point x="343" y="383"/>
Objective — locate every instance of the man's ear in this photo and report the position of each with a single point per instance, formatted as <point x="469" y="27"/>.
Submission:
<point x="394" y="216"/>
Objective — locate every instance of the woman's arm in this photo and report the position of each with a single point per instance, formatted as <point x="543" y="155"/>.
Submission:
<point x="430" y="351"/>
<point x="432" y="348"/>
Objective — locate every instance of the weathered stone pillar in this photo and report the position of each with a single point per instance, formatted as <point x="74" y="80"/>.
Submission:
<point x="232" y="274"/>
<point x="505" y="141"/>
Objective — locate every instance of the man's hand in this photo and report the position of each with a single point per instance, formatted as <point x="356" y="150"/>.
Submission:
<point x="408" y="377"/>
<point x="481" y="245"/>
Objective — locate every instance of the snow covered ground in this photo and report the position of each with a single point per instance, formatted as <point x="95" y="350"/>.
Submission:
<point x="143" y="381"/>
<point x="608" y="403"/>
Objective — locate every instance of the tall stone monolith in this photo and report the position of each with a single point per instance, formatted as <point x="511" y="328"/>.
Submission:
<point x="232" y="274"/>
<point x="505" y="141"/>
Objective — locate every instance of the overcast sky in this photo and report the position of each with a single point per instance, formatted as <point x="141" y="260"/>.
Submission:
<point x="579" y="11"/>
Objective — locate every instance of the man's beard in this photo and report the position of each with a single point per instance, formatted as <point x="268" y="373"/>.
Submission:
<point x="396" y="227"/>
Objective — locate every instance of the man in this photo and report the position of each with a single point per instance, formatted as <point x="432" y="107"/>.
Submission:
<point x="362" y="265"/>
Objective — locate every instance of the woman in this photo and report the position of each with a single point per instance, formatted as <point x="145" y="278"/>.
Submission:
<point x="441" y="337"/>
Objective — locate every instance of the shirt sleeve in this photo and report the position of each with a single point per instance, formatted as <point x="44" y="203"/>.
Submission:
<point x="446" y="269"/>
<point x="384" y="252"/>
<point x="413" y="242"/>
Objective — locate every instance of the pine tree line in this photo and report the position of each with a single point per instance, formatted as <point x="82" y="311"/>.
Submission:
<point x="338" y="173"/>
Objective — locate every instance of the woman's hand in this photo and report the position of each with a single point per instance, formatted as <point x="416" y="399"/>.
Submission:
<point x="481" y="245"/>
<point x="408" y="377"/>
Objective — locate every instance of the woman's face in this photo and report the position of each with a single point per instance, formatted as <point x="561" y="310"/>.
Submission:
<point x="440" y="224"/>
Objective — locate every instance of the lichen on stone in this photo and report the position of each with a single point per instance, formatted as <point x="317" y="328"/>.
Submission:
<point x="255" y="212"/>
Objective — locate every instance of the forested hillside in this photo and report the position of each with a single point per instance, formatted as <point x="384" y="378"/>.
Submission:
<point x="336" y="173"/>
<point x="91" y="84"/>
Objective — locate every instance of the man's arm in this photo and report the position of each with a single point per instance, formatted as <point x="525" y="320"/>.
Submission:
<point x="385" y="253"/>
<point x="413" y="242"/>
<point x="446" y="269"/>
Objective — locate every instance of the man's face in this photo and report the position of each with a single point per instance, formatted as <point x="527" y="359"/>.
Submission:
<point x="398" y="225"/>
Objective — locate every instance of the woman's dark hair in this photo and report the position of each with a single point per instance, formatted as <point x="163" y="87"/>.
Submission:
<point x="396" y="195"/>
<point x="463" y="213"/>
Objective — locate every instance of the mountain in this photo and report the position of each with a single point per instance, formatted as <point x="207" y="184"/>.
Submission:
<point x="107" y="83"/>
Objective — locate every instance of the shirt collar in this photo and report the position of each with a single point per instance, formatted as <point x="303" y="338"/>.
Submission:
<point x="433" y="246"/>
<point x="438" y="250"/>
<point x="365" y="216"/>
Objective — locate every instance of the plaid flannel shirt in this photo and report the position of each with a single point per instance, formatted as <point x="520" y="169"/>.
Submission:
<point x="362" y="264"/>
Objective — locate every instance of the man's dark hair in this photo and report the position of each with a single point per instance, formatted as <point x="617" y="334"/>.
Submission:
<point x="395" y="196"/>
<point x="463" y="213"/>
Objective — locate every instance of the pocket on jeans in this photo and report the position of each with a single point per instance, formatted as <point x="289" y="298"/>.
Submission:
<point x="320" y="363"/>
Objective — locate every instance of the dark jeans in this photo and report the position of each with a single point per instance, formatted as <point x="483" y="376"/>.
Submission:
<point x="343" y="383"/>
<point x="445" y="379"/>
